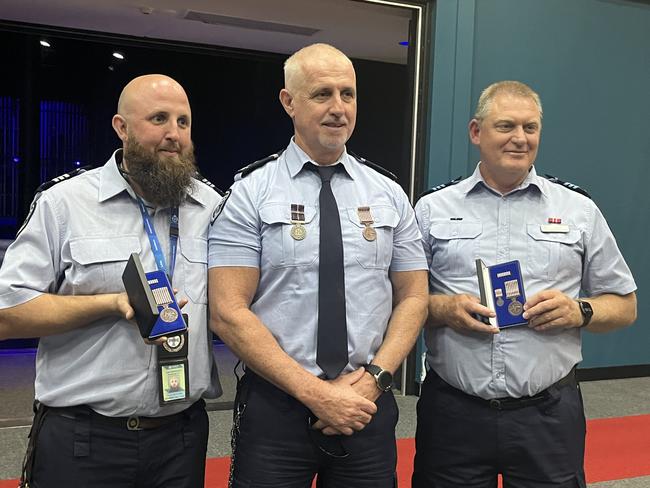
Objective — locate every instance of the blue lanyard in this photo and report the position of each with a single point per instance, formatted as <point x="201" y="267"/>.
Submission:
<point x="155" y="243"/>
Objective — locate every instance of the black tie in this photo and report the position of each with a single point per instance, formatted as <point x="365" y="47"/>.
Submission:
<point x="332" y="350"/>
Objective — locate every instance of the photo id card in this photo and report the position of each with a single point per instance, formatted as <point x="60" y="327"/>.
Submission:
<point x="174" y="381"/>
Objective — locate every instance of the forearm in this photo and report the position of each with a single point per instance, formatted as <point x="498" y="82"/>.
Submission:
<point x="54" y="314"/>
<point x="409" y="313"/>
<point x="437" y="306"/>
<point x="611" y="312"/>
<point x="254" y="344"/>
<point x="403" y="330"/>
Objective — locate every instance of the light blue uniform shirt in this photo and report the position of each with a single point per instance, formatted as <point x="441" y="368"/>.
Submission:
<point x="254" y="230"/>
<point x="77" y="242"/>
<point x="469" y="220"/>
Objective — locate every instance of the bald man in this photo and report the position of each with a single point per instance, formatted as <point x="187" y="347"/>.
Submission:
<point x="102" y="420"/>
<point x="318" y="282"/>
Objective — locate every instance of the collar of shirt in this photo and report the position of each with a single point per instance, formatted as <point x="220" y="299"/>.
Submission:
<point x="296" y="159"/>
<point x="476" y="181"/>
<point x="112" y="183"/>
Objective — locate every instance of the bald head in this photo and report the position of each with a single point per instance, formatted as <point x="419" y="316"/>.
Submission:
<point x="308" y="59"/>
<point x="141" y="89"/>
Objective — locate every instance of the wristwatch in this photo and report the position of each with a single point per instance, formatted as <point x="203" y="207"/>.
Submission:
<point x="586" y="311"/>
<point x="383" y="378"/>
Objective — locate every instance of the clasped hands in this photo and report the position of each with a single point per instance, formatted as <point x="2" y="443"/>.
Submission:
<point x="345" y="404"/>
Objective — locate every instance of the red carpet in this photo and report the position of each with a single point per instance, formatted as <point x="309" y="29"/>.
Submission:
<point x="617" y="448"/>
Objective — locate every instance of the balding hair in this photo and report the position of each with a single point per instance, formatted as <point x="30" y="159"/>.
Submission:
<point x="295" y="64"/>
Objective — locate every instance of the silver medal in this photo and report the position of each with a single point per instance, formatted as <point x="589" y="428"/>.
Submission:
<point x="515" y="308"/>
<point x="168" y="314"/>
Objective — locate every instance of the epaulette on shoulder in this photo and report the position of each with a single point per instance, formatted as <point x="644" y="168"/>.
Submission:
<point x="566" y="184"/>
<point x="248" y="169"/>
<point x="440" y="187"/>
<point x="63" y="177"/>
<point x="49" y="184"/>
<point x="203" y="179"/>
<point x="374" y="166"/>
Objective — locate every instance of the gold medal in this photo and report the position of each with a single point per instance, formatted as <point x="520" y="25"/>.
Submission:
<point x="298" y="231"/>
<point x="168" y="314"/>
<point x="369" y="234"/>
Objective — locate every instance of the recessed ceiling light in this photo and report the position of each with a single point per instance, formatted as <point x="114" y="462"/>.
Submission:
<point x="44" y="43"/>
<point x="118" y="55"/>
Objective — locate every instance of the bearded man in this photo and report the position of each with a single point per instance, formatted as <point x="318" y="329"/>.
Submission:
<point x="101" y="419"/>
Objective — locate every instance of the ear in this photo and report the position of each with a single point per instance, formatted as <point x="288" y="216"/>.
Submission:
<point x="286" y="99"/>
<point x="475" y="131"/>
<point x="119" y="126"/>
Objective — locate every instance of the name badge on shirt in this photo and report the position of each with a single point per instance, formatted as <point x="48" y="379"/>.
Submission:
<point x="549" y="228"/>
<point x="298" y="231"/>
<point x="365" y="217"/>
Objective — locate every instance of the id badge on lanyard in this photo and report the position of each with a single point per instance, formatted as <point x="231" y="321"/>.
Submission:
<point x="173" y="366"/>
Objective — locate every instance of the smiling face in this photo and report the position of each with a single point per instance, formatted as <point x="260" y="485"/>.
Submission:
<point x="154" y="124"/>
<point x="508" y="139"/>
<point x="321" y="100"/>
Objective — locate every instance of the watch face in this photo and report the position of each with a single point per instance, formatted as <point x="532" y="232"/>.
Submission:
<point x="385" y="380"/>
<point x="587" y="312"/>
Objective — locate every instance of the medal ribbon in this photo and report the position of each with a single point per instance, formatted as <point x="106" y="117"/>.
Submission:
<point x="155" y="243"/>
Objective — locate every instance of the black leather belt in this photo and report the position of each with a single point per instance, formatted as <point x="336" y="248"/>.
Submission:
<point x="510" y="403"/>
<point x="132" y="422"/>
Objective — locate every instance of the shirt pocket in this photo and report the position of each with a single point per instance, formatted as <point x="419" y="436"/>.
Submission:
<point x="278" y="246"/>
<point x="455" y="246"/>
<point x="195" y="274"/>
<point x="98" y="263"/>
<point x="551" y="254"/>
<point x="376" y="253"/>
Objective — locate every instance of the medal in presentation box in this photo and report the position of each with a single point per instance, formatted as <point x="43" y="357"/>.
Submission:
<point x="152" y="297"/>
<point x="502" y="290"/>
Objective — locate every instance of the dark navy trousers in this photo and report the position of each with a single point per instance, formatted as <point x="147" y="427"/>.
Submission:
<point x="463" y="442"/>
<point x="274" y="446"/>
<point x="74" y="450"/>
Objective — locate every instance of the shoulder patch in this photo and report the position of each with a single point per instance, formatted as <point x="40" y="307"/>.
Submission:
<point x="222" y="203"/>
<point x="440" y="187"/>
<point x="203" y="179"/>
<point x="374" y="166"/>
<point x="63" y="177"/>
<point x="248" y="169"/>
<point x="566" y="184"/>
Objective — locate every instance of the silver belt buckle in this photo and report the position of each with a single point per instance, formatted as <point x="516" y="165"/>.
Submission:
<point x="133" y="423"/>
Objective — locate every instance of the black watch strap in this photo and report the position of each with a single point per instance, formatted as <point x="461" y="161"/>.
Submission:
<point x="383" y="378"/>
<point x="587" y="312"/>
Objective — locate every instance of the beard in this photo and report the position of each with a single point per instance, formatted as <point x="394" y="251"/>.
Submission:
<point x="164" y="181"/>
